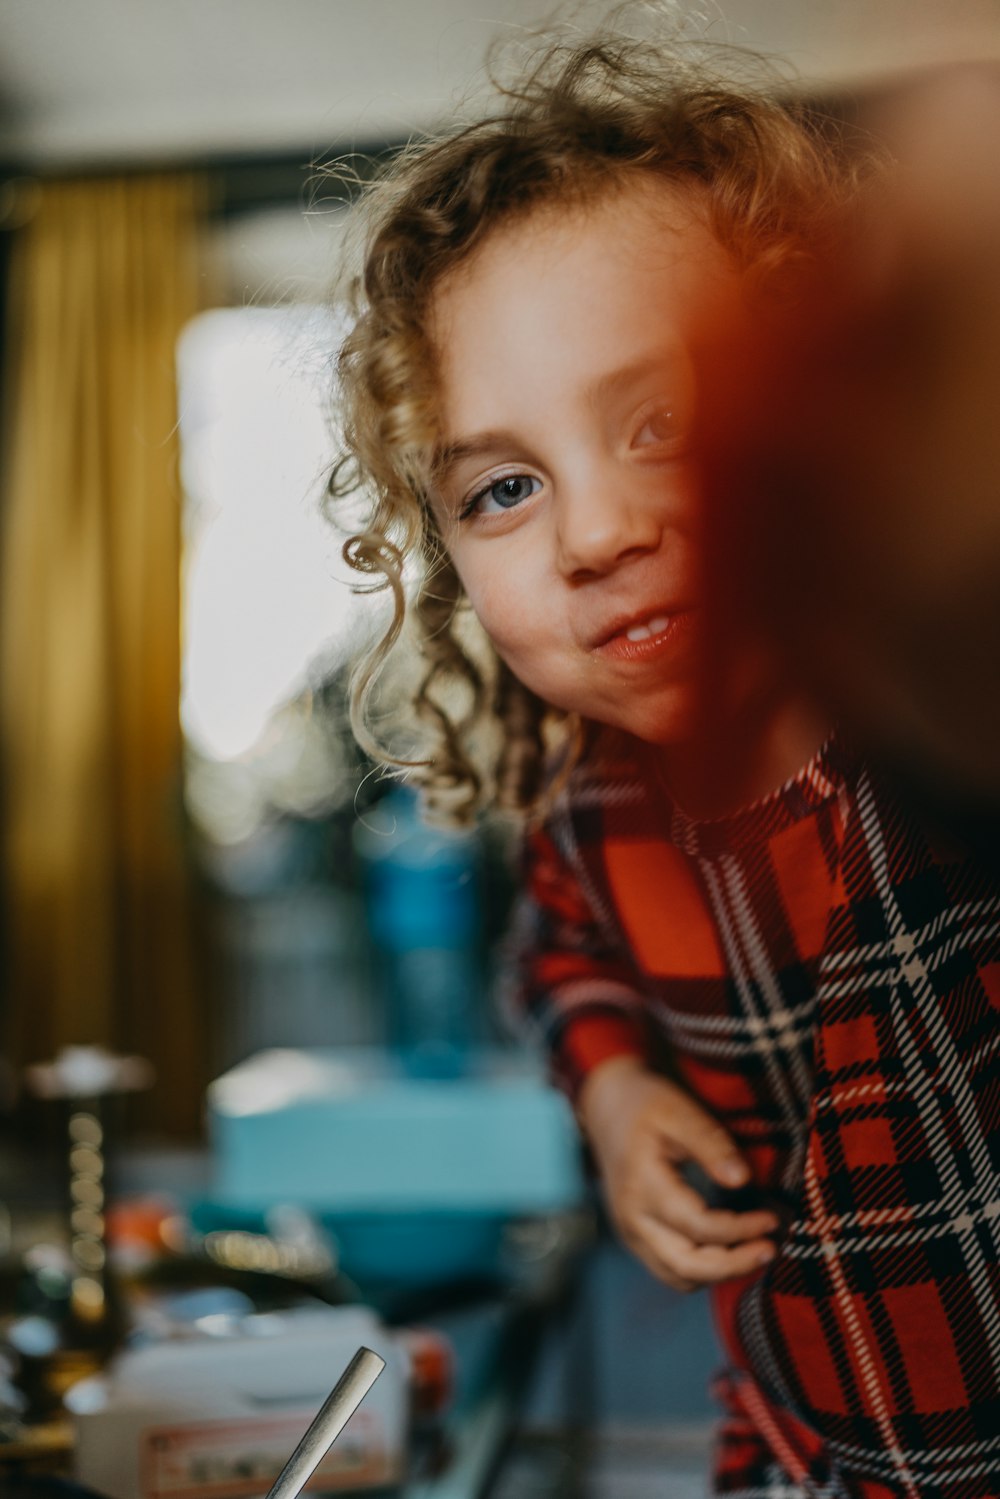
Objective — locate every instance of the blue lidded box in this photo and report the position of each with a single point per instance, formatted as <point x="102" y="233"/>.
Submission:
<point x="355" y="1139"/>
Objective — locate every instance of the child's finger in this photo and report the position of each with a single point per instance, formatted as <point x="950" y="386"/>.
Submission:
<point x="687" y="1266"/>
<point x="703" y="1139"/>
<point x="670" y="1199"/>
<point x="704" y="1225"/>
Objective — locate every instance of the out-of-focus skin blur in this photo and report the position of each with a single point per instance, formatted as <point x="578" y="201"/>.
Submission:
<point x="850" y="449"/>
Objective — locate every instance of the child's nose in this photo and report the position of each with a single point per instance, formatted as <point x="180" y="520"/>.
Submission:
<point x="598" y="529"/>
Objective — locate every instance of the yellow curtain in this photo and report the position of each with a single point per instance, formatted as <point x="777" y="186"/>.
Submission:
<point x="98" y="931"/>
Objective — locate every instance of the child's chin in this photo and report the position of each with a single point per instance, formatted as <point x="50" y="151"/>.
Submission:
<point x="665" y="736"/>
<point x="662" y="724"/>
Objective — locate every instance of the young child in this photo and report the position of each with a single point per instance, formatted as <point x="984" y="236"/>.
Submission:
<point x="777" y="979"/>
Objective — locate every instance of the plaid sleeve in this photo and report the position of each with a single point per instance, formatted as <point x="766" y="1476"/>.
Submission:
<point x="569" y="982"/>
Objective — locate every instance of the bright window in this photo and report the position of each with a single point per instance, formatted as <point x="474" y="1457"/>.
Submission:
<point x="268" y="610"/>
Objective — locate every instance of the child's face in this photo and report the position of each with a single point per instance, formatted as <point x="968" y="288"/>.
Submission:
<point x="566" y="500"/>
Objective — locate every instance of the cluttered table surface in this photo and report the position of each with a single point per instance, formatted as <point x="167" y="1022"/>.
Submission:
<point x="175" y="1345"/>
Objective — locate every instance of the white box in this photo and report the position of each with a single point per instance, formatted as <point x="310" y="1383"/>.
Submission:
<point x="202" y="1417"/>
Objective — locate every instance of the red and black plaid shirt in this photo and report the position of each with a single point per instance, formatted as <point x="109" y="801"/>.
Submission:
<point x="826" y="979"/>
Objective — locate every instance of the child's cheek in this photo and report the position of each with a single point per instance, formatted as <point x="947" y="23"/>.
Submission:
<point x="504" y="600"/>
<point x="522" y="637"/>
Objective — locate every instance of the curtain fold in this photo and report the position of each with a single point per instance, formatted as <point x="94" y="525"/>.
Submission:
<point x="98" y="923"/>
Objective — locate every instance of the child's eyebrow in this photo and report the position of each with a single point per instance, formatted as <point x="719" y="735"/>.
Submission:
<point x="479" y="445"/>
<point x="661" y="363"/>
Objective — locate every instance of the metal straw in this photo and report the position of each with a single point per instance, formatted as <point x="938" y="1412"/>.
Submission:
<point x="341" y="1403"/>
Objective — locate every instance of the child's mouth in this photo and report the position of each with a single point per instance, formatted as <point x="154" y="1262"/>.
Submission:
<point x="645" y="638"/>
<point x="655" y="626"/>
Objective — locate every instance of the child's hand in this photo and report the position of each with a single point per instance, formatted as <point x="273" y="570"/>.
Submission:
<point x="642" y="1128"/>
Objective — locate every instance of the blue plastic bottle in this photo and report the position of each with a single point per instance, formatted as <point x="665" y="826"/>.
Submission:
<point x="421" y="896"/>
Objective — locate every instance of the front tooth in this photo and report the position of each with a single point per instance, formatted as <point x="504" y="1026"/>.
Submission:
<point x="654" y="626"/>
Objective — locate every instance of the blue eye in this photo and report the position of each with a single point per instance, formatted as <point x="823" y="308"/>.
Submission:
<point x="506" y="493"/>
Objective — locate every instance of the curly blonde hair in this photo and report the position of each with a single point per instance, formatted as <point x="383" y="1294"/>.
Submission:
<point x="582" y="119"/>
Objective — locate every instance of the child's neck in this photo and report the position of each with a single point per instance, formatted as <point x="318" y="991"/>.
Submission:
<point x="749" y="756"/>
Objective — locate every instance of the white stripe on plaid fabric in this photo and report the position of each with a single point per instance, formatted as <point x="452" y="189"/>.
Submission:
<point x="582" y="995"/>
<point x="855" y="1093"/>
<point x="758" y="1345"/>
<point x="922" y="936"/>
<point x="929" y="1468"/>
<point x="915" y="977"/>
<point x="982" y="1054"/>
<point x="739" y="1035"/>
<point x="951" y="1222"/>
<point x="609" y="794"/>
<point x="757" y="955"/>
<point x="820" y="783"/>
<point x="952" y="946"/>
<point x="843" y="988"/>
<point x="871" y="1374"/>
<point x="753" y="1042"/>
<point x="750" y="1026"/>
<point x="729" y="931"/>
<point x="564" y="836"/>
<point x="777" y="1487"/>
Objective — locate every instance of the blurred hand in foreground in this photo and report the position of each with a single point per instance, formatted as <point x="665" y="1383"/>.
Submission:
<point x="850" y="449"/>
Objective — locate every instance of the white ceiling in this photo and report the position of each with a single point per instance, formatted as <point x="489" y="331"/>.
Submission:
<point x="100" y="82"/>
